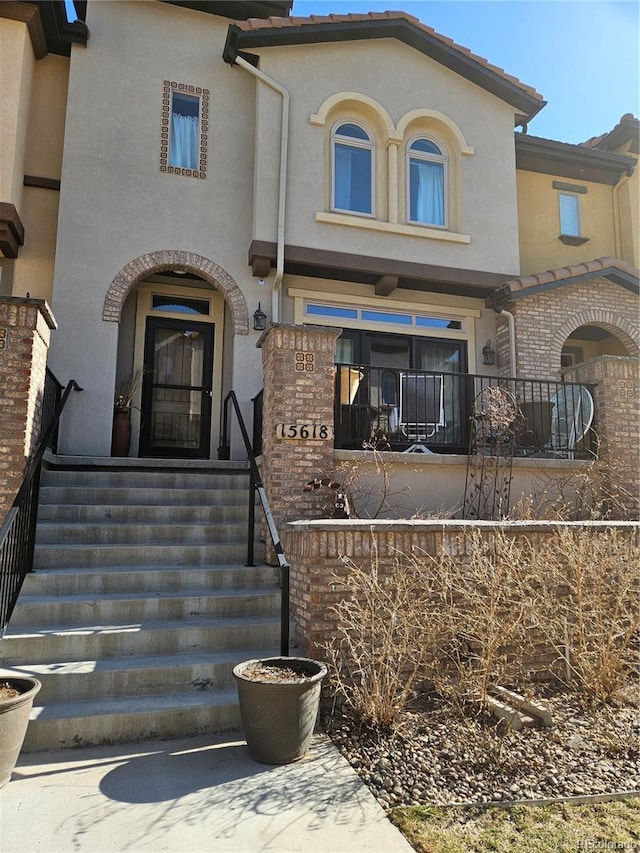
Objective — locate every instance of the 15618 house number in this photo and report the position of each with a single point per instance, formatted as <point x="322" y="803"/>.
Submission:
<point x="321" y="431"/>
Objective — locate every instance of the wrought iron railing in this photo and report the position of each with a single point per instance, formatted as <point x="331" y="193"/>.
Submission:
<point x="410" y="409"/>
<point x="18" y="531"/>
<point x="256" y="486"/>
<point x="257" y="423"/>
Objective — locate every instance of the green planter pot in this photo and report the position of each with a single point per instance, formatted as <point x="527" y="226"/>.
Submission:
<point x="278" y="717"/>
<point x="14" y="718"/>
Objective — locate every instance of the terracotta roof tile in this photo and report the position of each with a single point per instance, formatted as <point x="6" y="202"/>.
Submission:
<point x="562" y="273"/>
<point x="260" y="23"/>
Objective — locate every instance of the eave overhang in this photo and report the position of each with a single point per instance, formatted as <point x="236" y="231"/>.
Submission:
<point x="385" y="274"/>
<point x="616" y="271"/>
<point x="534" y="154"/>
<point x="526" y="105"/>
<point x="11" y="230"/>
<point x="47" y="24"/>
<point x="236" y="9"/>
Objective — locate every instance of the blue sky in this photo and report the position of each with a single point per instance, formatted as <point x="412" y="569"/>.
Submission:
<point x="581" y="55"/>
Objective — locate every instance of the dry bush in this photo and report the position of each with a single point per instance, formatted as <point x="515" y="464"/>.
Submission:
<point x="480" y="612"/>
<point x="388" y="629"/>
<point x="601" y="490"/>
<point x="486" y="612"/>
<point x="585" y="583"/>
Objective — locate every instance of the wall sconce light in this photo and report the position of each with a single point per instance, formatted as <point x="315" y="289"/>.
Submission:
<point x="488" y="353"/>
<point x="259" y="320"/>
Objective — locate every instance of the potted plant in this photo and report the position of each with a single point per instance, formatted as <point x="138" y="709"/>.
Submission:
<point x="126" y="389"/>
<point x="279" y="700"/>
<point x="16" y="701"/>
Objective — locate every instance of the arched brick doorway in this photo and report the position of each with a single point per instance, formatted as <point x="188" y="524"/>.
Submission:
<point x="170" y="307"/>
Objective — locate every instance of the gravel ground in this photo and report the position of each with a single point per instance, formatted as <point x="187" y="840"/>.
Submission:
<point x="437" y="756"/>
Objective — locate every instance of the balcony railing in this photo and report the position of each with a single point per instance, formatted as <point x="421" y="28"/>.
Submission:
<point x="428" y="410"/>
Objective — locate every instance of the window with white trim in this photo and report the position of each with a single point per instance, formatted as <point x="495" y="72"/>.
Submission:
<point x="352" y="158"/>
<point x="569" y="214"/>
<point x="426" y="183"/>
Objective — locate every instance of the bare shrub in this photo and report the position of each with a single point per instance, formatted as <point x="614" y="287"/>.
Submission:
<point x="485" y="611"/>
<point x="603" y="489"/>
<point x="586" y="586"/>
<point x="386" y="637"/>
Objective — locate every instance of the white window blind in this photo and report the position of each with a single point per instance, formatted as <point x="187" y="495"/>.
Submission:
<point x="569" y="214"/>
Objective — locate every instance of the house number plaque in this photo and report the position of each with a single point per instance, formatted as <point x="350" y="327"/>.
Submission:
<point x="321" y="431"/>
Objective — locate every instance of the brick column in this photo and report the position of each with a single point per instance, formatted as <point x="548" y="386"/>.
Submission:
<point x="298" y="364"/>
<point x="617" y="418"/>
<point x="25" y="328"/>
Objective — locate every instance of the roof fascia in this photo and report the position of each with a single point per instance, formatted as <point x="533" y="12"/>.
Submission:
<point x="534" y="154"/>
<point x="395" y="28"/>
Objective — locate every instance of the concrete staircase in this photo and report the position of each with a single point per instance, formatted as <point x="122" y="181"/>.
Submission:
<point x="140" y="603"/>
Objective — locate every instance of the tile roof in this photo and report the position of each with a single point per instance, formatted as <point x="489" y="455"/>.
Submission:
<point x="549" y="278"/>
<point x="253" y="24"/>
<point x="628" y="126"/>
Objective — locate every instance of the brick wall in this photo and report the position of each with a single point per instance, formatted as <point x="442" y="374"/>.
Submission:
<point x="25" y="328"/>
<point x="545" y="320"/>
<point x="315" y="550"/>
<point x="298" y="366"/>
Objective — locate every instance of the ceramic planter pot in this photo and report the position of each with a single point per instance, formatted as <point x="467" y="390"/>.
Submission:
<point x="279" y="715"/>
<point x="121" y="433"/>
<point x="14" y="718"/>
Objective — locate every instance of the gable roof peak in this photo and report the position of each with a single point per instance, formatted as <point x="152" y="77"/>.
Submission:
<point x="316" y="29"/>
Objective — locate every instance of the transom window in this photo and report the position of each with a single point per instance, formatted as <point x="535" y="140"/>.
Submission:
<point x="426" y="183"/>
<point x="352" y="152"/>
<point x="316" y="309"/>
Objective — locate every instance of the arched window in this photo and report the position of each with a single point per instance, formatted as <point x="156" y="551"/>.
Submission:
<point x="426" y="183"/>
<point x="352" y="159"/>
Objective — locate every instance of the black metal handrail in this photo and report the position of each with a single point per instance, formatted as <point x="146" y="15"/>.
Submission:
<point x="18" y="531"/>
<point x="400" y="408"/>
<point x="256" y="485"/>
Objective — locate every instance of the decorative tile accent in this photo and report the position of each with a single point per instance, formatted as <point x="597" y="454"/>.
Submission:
<point x="167" y="87"/>
<point x="305" y="362"/>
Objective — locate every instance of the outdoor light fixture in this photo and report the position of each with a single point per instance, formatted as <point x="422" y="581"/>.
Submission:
<point x="259" y="320"/>
<point x="488" y="353"/>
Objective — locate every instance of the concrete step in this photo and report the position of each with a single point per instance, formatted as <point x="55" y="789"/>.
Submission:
<point x="70" y="556"/>
<point x="171" y="514"/>
<point x="145" y="675"/>
<point x="148" y="479"/>
<point x="100" y="641"/>
<point x="114" y="579"/>
<point x="123" y="496"/>
<point x="127" y="608"/>
<point x="132" y="718"/>
<point x="137" y="533"/>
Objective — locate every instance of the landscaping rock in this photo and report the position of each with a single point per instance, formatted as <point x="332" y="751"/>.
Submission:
<point x="438" y="756"/>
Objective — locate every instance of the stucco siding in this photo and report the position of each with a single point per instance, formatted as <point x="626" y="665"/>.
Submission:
<point x="400" y="80"/>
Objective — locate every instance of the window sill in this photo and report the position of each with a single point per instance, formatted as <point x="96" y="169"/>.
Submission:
<point x="392" y="228"/>
<point x="570" y="240"/>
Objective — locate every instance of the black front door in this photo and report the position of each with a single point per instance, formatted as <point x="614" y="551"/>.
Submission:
<point x="177" y="389"/>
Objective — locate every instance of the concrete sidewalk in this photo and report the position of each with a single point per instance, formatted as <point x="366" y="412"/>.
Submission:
<point x="198" y="795"/>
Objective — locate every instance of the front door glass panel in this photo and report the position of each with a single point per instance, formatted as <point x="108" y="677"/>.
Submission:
<point x="177" y="388"/>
